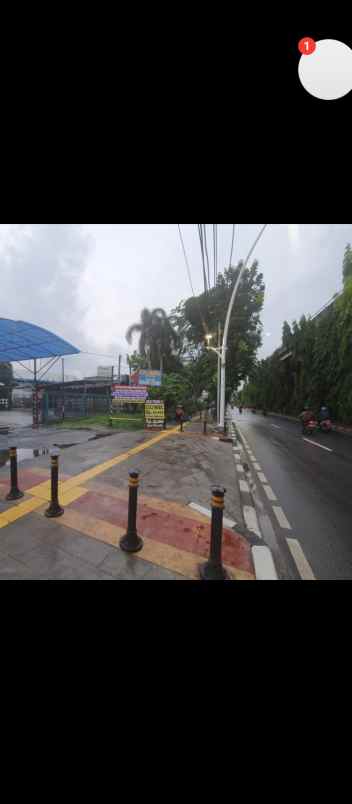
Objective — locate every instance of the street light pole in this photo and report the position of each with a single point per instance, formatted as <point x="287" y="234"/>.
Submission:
<point x="219" y="371"/>
<point x="63" y="389"/>
<point x="226" y="330"/>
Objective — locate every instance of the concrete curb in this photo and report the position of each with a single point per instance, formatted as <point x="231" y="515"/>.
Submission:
<point x="263" y="561"/>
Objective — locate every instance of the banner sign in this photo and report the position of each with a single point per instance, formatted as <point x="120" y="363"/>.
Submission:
<point x="154" y="413"/>
<point x="129" y="393"/>
<point x="153" y="379"/>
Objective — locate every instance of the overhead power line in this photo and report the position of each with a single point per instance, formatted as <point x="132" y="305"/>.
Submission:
<point x="206" y="252"/>
<point x="215" y="240"/>
<point x="232" y="244"/>
<point x="200" y="233"/>
<point x="186" y="258"/>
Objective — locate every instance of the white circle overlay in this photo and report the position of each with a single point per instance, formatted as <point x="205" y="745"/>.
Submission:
<point x="327" y="73"/>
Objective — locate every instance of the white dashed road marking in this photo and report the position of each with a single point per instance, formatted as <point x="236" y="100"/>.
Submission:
<point x="244" y="487"/>
<point x="281" y="518"/>
<point x="269" y="493"/>
<point x="302" y="564"/>
<point x="262" y="477"/>
<point x="315" y="444"/>
<point x="263" y="564"/>
<point x="251" y="520"/>
<point x="276" y="425"/>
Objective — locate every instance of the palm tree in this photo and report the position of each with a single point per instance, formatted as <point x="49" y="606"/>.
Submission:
<point x="157" y="337"/>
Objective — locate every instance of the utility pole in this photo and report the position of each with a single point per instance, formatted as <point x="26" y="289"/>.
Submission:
<point x="35" y="398"/>
<point x="63" y="389"/>
<point x="120" y="358"/>
<point x="227" y="326"/>
<point x="219" y="373"/>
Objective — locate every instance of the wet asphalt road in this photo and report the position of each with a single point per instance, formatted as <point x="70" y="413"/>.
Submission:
<point x="313" y="487"/>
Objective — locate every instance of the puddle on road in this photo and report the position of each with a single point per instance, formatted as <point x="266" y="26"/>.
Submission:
<point x="22" y="455"/>
<point x="65" y="446"/>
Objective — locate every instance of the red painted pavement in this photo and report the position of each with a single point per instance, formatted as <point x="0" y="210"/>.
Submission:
<point x="169" y="528"/>
<point x="26" y="479"/>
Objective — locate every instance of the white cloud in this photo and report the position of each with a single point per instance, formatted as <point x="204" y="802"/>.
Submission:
<point x="89" y="282"/>
<point x="294" y="234"/>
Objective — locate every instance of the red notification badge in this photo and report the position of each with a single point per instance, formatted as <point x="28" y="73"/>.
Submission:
<point x="306" y="46"/>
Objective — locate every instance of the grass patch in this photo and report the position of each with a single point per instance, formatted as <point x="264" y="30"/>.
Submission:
<point x="101" y="420"/>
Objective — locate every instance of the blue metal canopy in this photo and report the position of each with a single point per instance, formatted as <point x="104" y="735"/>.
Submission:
<point x="20" y="340"/>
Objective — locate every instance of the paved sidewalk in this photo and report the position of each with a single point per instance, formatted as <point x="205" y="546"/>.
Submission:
<point x="176" y="469"/>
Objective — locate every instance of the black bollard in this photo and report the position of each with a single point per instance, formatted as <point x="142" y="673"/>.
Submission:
<point x="213" y="569"/>
<point x="205" y="427"/>
<point x="181" y="426"/>
<point x="54" y="509"/>
<point x="131" y="542"/>
<point x="14" y="493"/>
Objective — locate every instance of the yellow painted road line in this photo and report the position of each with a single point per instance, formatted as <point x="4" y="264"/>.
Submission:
<point x="72" y="495"/>
<point x="41" y="492"/>
<point x="95" y="528"/>
<point x="89" y="474"/>
<point x="19" y="511"/>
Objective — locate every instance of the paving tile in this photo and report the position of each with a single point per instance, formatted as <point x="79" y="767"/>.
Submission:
<point x="12" y="570"/>
<point x="121" y="564"/>
<point x="47" y="559"/>
<point x="160" y="574"/>
<point x="17" y="541"/>
<point x="73" y="574"/>
<point x="73" y="543"/>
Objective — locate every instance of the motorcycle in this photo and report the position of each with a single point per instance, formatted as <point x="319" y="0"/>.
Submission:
<point x="325" y="426"/>
<point x="310" y="427"/>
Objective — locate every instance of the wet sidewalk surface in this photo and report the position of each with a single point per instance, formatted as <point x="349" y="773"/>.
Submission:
<point x="176" y="469"/>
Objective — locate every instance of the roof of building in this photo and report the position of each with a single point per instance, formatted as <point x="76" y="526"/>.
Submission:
<point x="20" y="340"/>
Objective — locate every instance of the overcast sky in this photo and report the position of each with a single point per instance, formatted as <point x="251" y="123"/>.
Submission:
<point x="89" y="282"/>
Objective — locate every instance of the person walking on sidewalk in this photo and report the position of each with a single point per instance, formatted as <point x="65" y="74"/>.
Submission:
<point x="180" y="414"/>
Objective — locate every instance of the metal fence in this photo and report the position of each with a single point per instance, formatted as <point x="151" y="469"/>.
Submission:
<point x="73" y="406"/>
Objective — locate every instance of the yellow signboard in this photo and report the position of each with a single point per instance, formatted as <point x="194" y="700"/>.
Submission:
<point x="155" y="411"/>
<point x="154" y="414"/>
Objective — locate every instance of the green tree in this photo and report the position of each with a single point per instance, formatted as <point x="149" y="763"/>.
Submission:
<point x="347" y="263"/>
<point x="314" y="364"/>
<point x="158" y="340"/>
<point x="176" y="390"/>
<point x="198" y="316"/>
<point x="137" y="361"/>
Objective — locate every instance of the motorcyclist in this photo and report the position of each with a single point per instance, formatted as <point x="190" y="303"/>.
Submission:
<point x="306" y="415"/>
<point x="324" y="413"/>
